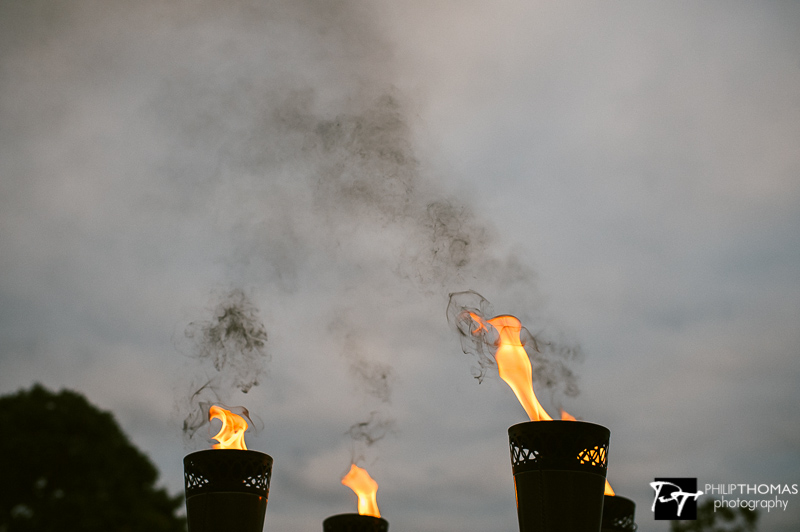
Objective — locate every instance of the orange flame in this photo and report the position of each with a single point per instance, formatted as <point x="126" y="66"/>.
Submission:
<point x="566" y="416"/>
<point x="361" y="483"/>
<point x="513" y="363"/>
<point x="231" y="435"/>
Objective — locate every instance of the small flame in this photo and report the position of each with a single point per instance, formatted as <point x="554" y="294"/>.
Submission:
<point x="361" y="483"/>
<point x="513" y="363"/>
<point x="231" y="435"/>
<point x="566" y="416"/>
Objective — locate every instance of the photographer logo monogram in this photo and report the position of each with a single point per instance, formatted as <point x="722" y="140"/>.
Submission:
<point x="675" y="498"/>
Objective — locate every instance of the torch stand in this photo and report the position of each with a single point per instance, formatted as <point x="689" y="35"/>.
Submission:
<point x="354" y="523"/>
<point x="618" y="514"/>
<point x="226" y="489"/>
<point x="559" y="475"/>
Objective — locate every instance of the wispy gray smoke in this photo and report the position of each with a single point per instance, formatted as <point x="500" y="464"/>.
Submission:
<point x="365" y="434"/>
<point x="199" y="416"/>
<point x="335" y="163"/>
<point x="195" y="408"/>
<point x="308" y="151"/>
<point x="366" y="174"/>
<point x="375" y="377"/>
<point x="371" y="377"/>
<point x="234" y="343"/>
<point x="459" y="307"/>
<point x="234" y="340"/>
<point x="468" y="313"/>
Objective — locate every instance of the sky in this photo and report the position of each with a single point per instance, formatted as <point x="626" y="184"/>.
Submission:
<point x="622" y="176"/>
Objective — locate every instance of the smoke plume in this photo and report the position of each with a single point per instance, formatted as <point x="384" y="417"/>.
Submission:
<point x="304" y="152"/>
<point x="365" y="180"/>
<point x="373" y="379"/>
<point x="231" y="355"/>
<point x="367" y="433"/>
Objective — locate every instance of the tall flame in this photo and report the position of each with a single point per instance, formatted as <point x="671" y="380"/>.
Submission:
<point x="358" y="480"/>
<point x="513" y="363"/>
<point x="231" y="435"/>
<point x="566" y="416"/>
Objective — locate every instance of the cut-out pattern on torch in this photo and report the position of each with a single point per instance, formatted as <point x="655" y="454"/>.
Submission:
<point x="618" y="512"/>
<point x="227" y="487"/>
<point x="566" y="416"/>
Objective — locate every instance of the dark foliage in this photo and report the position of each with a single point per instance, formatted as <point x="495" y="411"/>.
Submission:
<point x="66" y="465"/>
<point x="723" y="520"/>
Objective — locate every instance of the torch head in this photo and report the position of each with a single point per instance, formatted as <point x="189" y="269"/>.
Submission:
<point x="559" y="474"/>
<point x="354" y="523"/>
<point x="618" y="514"/>
<point x="226" y="489"/>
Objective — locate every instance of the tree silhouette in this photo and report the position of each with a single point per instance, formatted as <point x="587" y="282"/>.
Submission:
<point x="721" y="520"/>
<point x="68" y="466"/>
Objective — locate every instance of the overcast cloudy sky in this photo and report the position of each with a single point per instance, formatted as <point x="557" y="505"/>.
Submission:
<point x="623" y="176"/>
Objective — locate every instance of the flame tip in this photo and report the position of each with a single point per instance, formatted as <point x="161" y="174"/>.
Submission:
<point x="365" y="487"/>
<point x="231" y="435"/>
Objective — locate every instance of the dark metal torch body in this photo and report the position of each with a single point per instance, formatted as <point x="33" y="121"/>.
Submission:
<point x="226" y="490"/>
<point x="559" y="475"/>
<point x="618" y="514"/>
<point x="354" y="523"/>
